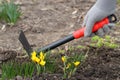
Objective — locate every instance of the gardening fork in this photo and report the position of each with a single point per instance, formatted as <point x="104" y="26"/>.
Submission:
<point x="77" y="34"/>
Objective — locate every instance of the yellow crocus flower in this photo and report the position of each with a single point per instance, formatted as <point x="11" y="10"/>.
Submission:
<point x="39" y="60"/>
<point x="68" y="65"/>
<point x="42" y="63"/>
<point x="33" y="56"/>
<point x="42" y="56"/>
<point x="35" y="59"/>
<point x="76" y="63"/>
<point x="33" y="53"/>
<point x="64" y="59"/>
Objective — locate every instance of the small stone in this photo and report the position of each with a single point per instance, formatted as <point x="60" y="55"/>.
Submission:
<point x="3" y="28"/>
<point x="18" y="78"/>
<point x="55" y="77"/>
<point x="74" y="12"/>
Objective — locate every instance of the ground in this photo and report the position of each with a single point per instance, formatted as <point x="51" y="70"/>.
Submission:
<point x="45" y="21"/>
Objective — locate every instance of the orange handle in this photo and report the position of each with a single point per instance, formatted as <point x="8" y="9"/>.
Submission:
<point x="80" y="33"/>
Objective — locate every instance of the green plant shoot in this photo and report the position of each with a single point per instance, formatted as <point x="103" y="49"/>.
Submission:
<point x="9" y="12"/>
<point x="70" y="64"/>
<point x="44" y="63"/>
<point x="107" y="41"/>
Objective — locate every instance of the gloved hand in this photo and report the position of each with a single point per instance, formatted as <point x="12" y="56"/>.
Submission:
<point x="100" y="10"/>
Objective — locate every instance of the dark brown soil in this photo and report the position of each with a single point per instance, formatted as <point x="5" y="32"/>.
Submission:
<point x="101" y="64"/>
<point x="45" y="21"/>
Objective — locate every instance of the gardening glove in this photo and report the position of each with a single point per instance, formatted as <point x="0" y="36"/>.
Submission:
<point x="100" y="10"/>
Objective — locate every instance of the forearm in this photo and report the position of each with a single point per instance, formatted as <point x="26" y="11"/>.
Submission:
<point x="106" y="5"/>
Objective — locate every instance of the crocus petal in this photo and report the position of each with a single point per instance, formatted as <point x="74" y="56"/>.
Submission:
<point x="42" y="63"/>
<point x="33" y="58"/>
<point x="37" y="60"/>
<point x="64" y="59"/>
<point x="76" y="63"/>
<point x="33" y="53"/>
<point x="42" y="56"/>
<point x="68" y="65"/>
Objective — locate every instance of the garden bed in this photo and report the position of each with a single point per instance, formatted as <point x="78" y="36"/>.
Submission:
<point x="101" y="64"/>
<point x="45" y="21"/>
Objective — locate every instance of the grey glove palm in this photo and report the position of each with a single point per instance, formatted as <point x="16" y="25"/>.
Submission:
<point x="100" y="10"/>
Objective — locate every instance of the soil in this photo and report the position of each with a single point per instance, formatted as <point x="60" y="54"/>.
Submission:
<point x="45" y="21"/>
<point x="101" y="64"/>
